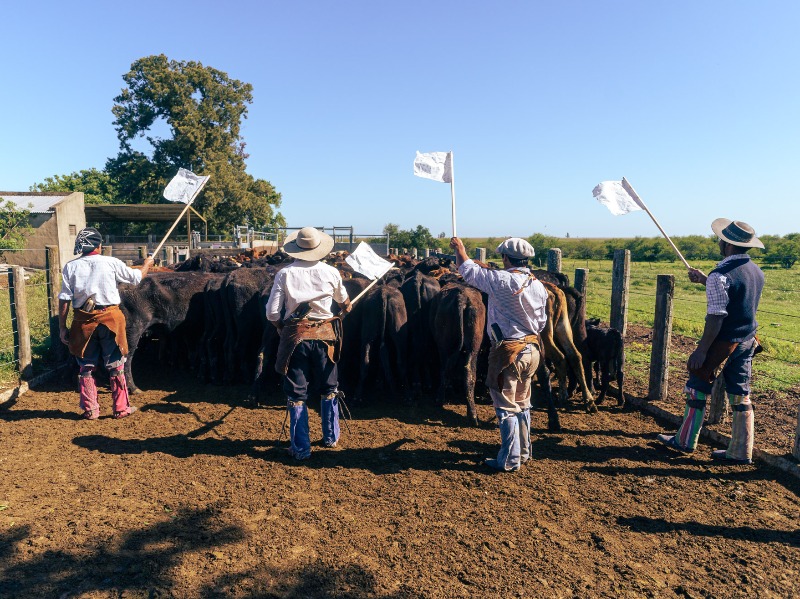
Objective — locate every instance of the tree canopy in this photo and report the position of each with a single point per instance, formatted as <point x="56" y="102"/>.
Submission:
<point x="174" y="114"/>
<point x="97" y="186"/>
<point x="14" y="225"/>
<point x="419" y="238"/>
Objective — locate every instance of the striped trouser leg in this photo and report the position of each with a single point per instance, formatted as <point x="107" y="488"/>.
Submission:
<point x="742" y="435"/>
<point x="693" y="415"/>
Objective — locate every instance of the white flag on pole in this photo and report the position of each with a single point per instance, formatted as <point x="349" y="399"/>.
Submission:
<point x="434" y="165"/>
<point x="614" y="196"/>
<point x="184" y="186"/>
<point x="367" y="262"/>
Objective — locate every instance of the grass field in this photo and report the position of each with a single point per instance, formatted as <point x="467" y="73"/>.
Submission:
<point x="778" y="315"/>
<point x="38" y="319"/>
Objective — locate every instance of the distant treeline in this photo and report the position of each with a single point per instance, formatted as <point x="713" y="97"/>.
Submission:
<point x="780" y="250"/>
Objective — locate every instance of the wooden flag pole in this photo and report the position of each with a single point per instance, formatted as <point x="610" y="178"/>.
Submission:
<point x="639" y="201"/>
<point x="180" y="216"/>
<point x="453" y="191"/>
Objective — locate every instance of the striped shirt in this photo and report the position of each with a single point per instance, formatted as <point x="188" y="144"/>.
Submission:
<point x="517" y="303"/>
<point x="717" y="286"/>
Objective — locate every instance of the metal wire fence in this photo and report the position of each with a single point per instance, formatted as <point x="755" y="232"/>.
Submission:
<point x="36" y="325"/>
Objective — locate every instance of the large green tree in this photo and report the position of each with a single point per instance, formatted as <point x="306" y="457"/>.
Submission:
<point x="97" y="186"/>
<point x="188" y="115"/>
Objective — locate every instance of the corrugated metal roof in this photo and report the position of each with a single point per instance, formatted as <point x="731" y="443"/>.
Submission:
<point x="37" y="204"/>
<point x="137" y="212"/>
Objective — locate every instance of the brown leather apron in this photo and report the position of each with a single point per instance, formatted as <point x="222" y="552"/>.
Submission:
<point x="293" y="332"/>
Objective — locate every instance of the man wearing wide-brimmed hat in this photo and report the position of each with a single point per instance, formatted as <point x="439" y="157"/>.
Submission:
<point x="300" y="306"/>
<point x="733" y="290"/>
<point x="89" y="284"/>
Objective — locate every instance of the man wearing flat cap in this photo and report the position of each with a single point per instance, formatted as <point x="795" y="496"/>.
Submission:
<point x="516" y="316"/>
<point x="89" y="283"/>
<point x="300" y="305"/>
<point x="733" y="290"/>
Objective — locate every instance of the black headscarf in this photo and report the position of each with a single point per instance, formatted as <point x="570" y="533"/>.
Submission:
<point x="89" y="239"/>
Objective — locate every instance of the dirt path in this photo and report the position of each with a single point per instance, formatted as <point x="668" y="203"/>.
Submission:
<point x="193" y="498"/>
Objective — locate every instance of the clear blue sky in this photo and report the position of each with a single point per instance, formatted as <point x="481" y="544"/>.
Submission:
<point x="697" y="103"/>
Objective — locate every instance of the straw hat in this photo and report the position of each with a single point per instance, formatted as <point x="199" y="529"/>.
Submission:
<point x="308" y="244"/>
<point x="736" y="232"/>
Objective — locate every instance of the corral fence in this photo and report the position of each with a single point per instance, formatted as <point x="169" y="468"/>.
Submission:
<point x="29" y="330"/>
<point x="29" y="334"/>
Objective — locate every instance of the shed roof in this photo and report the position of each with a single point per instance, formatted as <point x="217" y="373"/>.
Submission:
<point x="35" y="202"/>
<point x="104" y="213"/>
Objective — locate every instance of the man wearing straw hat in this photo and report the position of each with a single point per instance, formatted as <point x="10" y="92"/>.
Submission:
<point x="733" y="290"/>
<point x="89" y="283"/>
<point x="517" y="314"/>
<point x="300" y="306"/>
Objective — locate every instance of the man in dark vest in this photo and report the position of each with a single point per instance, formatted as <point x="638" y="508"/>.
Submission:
<point x="733" y="290"/>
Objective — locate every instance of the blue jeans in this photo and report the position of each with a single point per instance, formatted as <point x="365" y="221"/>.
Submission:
<point x="515" y="438"/>
<point x="310" y="363"/>
<point x="737" y="371"/>
<point x="102" y="344"/>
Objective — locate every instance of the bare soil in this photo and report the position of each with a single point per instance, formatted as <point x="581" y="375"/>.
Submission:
<point x="194" y="496"/>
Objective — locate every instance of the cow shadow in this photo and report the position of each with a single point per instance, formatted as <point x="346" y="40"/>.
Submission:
<point x="645" y="525"/>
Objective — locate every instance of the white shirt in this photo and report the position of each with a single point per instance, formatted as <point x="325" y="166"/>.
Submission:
<point x="97" y="276"/>
<point x="317" y="283"/>
<point x="517" y="304"/>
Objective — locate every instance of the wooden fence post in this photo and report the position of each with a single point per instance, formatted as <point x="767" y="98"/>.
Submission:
<point x="142" y="252"/>
<point x="53" y="277"/>
<point x="621" y="279"/>
<point x="554" y="260"/>
<point x="108" y="250"/>
<point x="19" y="320"/>
<point x="581" y="274"/>
<point x="662" y="337"/>
<point x="414" y="253"/>
<point x="796" y="447"/>
<point x="427" y="252"/>
<point x="480" y="254"/>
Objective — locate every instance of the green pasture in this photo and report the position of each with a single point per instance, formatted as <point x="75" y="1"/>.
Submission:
<point x="778" y="316"/>
<point x="38" y="320"/>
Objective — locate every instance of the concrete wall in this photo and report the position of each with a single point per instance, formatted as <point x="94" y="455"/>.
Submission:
<point x="69" y="211"/>
<point x="45" y="233"/>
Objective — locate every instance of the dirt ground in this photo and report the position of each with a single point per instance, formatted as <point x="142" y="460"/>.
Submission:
<point x="194" y="496"/>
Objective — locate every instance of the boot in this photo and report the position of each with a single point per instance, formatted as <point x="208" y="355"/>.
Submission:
<point x="300" y="443"/>
<point x="119" y="393"/>
<point x="740" y="449"/>
<point x="88" y="393"/>
<point x="685" y="440"/>
<point x="329" y="410"/>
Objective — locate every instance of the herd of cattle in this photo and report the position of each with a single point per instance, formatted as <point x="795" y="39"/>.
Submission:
<point x="420" y="328"/>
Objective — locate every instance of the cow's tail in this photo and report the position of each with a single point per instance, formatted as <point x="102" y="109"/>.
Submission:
<point x="466" y="311"/>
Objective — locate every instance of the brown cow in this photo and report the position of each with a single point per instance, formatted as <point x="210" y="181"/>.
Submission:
<point x="559" y="345"/>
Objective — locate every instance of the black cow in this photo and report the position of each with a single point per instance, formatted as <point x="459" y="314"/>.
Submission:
<point x="172" y="301"/>
<point x="384" y="332"/>
<point x="606" y="352"/>
<point x="418" y="292"/>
